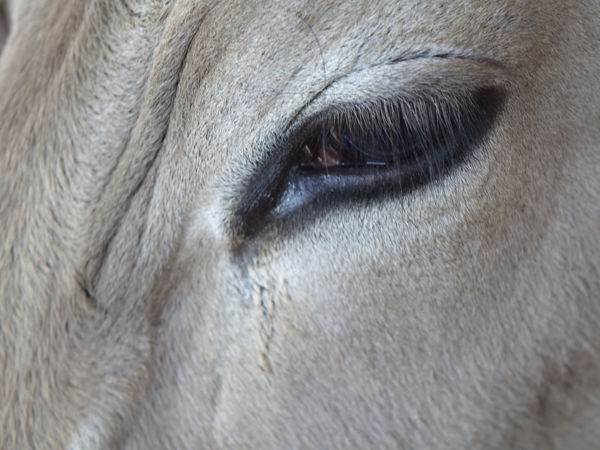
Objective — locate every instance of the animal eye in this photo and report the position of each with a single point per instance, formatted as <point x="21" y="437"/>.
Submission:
<point x="417" y="138"/>
<point x="358" y="152"/>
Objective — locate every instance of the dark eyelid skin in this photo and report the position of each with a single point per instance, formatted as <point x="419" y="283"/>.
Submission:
<point x="282" y="195"/>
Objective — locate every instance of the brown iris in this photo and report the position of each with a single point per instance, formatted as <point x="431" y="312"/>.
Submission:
<point x="339" y="147"/>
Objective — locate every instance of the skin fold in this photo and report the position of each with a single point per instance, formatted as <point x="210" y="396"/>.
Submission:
<point x="134" y="313"/>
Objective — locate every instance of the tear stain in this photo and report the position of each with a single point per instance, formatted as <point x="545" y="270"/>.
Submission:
<point x="267" y="291"/>
<point x="266" y="328"/>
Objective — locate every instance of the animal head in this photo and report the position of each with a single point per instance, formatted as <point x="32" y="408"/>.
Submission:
<point x="267" y="224"/>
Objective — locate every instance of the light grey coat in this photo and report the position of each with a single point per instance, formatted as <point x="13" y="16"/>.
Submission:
<point x="464" y="314"/>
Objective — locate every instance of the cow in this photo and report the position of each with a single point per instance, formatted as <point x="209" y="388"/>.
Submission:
<point x="300" y="224"/>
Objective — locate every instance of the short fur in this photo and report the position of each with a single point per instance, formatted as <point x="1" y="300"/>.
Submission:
<point x="463" y="314"/>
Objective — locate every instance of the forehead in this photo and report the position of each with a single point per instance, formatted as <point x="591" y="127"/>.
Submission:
<point x="350" y="33"/>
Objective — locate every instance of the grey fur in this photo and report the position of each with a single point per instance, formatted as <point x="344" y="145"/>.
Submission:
<point x="463" y="315"/>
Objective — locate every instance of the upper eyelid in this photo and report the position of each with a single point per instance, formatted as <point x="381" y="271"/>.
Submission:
<point x="401" y="76"/>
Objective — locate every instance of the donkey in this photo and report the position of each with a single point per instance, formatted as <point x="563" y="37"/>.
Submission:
<point x="300" y="224"/>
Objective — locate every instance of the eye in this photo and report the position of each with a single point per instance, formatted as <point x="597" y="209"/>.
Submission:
<point x="423" y="134"/>
<point x="361" y="152"/>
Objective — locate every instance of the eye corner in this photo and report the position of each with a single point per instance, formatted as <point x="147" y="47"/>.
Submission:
<point x="491" y="99"/>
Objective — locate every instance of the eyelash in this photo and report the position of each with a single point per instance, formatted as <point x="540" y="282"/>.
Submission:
<point x="390" y="134"/>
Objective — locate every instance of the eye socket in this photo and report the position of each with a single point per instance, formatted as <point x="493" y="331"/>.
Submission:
<point x="358" y="152"/>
